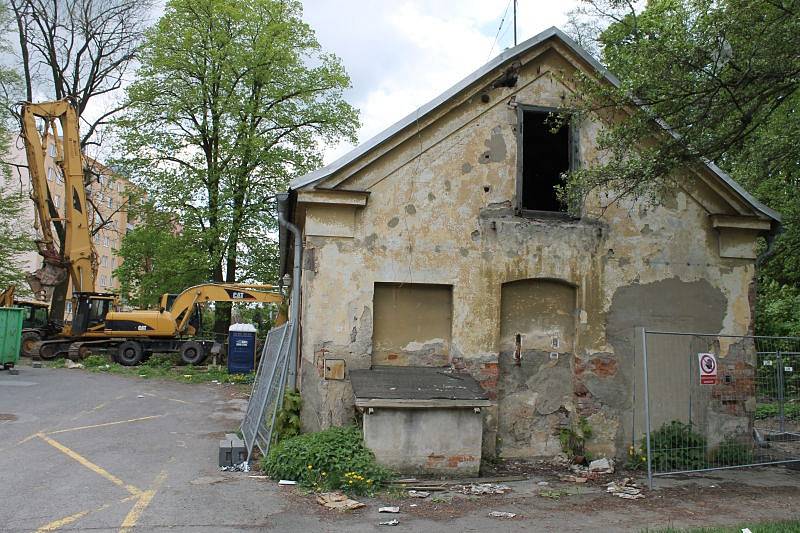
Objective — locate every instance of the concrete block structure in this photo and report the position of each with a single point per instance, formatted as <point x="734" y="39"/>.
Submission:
<point x="441" y="243"/>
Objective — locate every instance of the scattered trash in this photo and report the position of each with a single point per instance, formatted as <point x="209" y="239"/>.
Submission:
<point x="579" y="470"/>
<point x="389" y="510"/>
<point x="602" y="466"/>
<point x="625" y="489"/>
<point x="142" y="375"/>
<point x="244" y="466"/>
<point x="389" y="523"/>
<point x="482" y="488"/>
<point x="339" y="502"/>
<point x="259" y="477"/>
<point x="418" y="493"/>
<point x="140" y="396"/>
<point x="413" y="505"/>
<point x="543" y="483"/>
<point x="215" y="381"/>
<point x="502" y="514"/>
<point x="69" y="363"/>
<point x="573" y="479"/>
<point x="287" y="482"/>
<point x="746" y="530"/>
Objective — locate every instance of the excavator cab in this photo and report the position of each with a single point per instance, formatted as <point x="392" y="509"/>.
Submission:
<point x="90" y="311"/>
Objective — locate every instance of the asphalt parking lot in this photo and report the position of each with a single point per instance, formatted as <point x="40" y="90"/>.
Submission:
<point x="82" y="451"/>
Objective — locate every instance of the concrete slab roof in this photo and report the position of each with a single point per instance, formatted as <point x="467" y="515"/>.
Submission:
<point x="415" y="383"/>
<point x="315" y="177"/>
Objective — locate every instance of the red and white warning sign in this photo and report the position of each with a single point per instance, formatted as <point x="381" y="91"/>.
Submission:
<point x="708" y="368"/>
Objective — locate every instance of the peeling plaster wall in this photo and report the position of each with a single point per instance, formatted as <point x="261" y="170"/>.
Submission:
<point x="440" y="211"/>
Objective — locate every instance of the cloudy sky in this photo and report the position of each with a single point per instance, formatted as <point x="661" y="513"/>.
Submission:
<point x="402" y="53"/>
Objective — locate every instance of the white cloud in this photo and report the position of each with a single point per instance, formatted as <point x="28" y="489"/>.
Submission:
<point x="402" y="54"/>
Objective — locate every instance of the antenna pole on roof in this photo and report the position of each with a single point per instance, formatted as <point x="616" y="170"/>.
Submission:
<point x="515" y="22"/>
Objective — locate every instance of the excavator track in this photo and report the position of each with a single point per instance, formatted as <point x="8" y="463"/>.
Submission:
<point x="78" y="350"/>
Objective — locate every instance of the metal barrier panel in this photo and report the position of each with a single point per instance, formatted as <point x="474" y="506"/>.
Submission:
<point x="719" y="401"/>
<point x="267" y="386"/>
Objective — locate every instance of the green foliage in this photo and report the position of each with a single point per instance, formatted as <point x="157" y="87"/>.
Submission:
<point x="287" y="422"/>
<point x="723" y="76"/>
<point x="233" y="98"/>
<point x="158" y="258"/>
<point x="676" y="446"/>
<point x="730" y="452"/>
<point x="791" y="411"/>
<point x="573" y="440"/>
<point x="792" y="526"/>
<point x="334" y="459"/>
<point x="163" y="366"/>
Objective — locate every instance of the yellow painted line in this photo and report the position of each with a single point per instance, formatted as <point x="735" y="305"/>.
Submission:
<point x="177" y="400"/>
<point x="61" y="522"/>
<point x="104" y="424"/>
<point x="141" y="504"/>
<point x="88" y="464"/>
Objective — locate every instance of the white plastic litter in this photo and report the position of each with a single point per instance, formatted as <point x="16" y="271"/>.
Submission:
<point x="244" y="466"/>
<point x="389" y="523"/>
<point x="389" y="510"/>
<point x="418" y="493"/>
<point x="287" y="482"/>
<point x="502" y="514"/>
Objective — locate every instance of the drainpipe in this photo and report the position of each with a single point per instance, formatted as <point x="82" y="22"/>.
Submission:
<point x="294" y="312"/>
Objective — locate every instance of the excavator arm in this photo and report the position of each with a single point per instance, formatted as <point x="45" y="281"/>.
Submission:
<point x="184" y="303"/>
<point x="79" y="257"/>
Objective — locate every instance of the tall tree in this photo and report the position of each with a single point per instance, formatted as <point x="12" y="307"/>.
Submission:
<point x="83" y="49"/>
<point x="232" y="98"/>
<point x="724" y="76"/>
<point x="14" y="239"/>
<point x="159" y="257"/>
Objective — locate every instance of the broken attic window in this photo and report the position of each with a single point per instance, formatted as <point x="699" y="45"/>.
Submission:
<point x="546" y="147"/>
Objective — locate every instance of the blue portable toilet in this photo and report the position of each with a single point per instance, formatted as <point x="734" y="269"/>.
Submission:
<point x="241" y="348"/>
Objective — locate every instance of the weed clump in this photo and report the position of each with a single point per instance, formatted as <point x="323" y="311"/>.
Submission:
<point x="334" y="459"/>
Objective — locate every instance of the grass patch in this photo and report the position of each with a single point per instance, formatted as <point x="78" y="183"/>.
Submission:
<point x="334" y="459"/>
<point x="791" y="526"/>
<point x="161" y="366"/>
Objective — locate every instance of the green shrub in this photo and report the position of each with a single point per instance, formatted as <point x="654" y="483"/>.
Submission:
<point x="287" y="423"/>
<point x="573" y="440"/>
<point x="676" y="446"/>
<point x="334" y="459"/>
<point x="730" y="452"/>
<point x="791" y="411"/>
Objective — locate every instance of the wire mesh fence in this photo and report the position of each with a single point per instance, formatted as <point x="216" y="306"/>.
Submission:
<point x="719" y="401"/>
<point x="268" y="388"/>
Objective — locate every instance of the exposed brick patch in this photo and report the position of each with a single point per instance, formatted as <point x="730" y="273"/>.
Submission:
<point x="604" y="366"/>
<point x="454" y="461"/>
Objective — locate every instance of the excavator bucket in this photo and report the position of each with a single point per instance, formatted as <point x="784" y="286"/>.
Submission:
<point x="45" y="280"/>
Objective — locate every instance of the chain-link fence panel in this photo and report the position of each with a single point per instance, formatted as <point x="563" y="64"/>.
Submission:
<point x="267" y="392"/>
<point x="719" y="401"/>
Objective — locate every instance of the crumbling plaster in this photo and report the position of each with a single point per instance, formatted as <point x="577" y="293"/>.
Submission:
<point x="440" y="211"/>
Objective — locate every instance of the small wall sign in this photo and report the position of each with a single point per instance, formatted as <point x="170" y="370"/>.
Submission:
<point x="708" y="368"/>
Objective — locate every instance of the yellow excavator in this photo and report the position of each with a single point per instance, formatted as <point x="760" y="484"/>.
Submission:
<point x="97" y="322"/>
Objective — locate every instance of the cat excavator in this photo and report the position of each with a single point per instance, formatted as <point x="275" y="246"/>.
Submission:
<point x="97" y="321"/>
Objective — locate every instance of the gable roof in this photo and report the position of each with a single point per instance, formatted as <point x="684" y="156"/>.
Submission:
<point x="315" y="177"/>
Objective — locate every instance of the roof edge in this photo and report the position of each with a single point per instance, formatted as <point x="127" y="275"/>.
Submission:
<point x="320" y="174"/>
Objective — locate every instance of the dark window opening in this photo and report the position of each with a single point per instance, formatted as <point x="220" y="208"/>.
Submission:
<point x="545" y="157"/>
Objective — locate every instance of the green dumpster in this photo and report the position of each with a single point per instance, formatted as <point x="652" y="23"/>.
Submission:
<point x="10" y="335"/>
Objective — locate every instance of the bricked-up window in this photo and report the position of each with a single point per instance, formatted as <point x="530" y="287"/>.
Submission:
<point x="545" y="150"/>
<point x="412" y="324"/>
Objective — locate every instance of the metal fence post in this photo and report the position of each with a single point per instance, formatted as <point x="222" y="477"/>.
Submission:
<point x="647" y="411"/>
<point x="781" y="395"/>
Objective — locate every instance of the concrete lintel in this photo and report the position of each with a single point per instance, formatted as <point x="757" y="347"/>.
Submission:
<point x="333" y="196"/>
<point x="420" y="404"/>
<point x="740" y="222"/>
